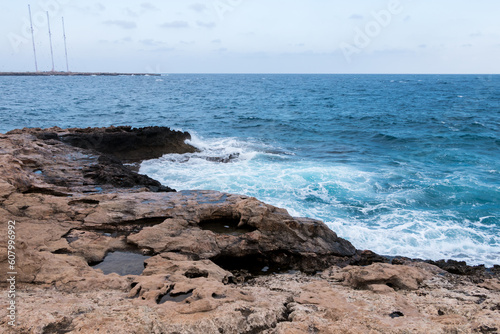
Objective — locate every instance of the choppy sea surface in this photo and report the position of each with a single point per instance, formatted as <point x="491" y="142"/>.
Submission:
<point x="400" y="164"/>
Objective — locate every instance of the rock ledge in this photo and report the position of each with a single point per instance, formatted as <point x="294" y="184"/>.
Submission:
<point x="217" y="263"/>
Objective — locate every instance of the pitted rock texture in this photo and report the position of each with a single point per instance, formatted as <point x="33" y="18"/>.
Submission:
<point x="382" y="274"/>
<point x="208" y="251"/>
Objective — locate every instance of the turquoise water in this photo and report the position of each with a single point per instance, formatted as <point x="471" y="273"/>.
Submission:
<point x="399" y="164"/>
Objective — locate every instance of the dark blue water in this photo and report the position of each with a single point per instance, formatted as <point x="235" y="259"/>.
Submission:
<point x="400" y="164"/>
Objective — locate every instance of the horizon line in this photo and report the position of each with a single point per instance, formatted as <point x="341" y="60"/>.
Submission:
<point x="244" y="73"/>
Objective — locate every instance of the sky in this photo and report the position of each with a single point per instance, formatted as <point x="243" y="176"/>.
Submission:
<point x="254" y="36"/>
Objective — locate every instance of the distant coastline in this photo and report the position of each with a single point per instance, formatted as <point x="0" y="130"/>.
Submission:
<point x="56" y="73"/>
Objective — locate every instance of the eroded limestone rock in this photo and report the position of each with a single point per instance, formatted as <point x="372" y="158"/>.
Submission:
<point x="206" y="250"/>
<point x="393" y="276"/>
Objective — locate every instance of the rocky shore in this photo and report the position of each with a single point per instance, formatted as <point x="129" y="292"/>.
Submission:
<point x="209" y="262"/>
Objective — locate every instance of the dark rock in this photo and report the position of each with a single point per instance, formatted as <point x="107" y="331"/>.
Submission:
<point x="496" y="269"/>
<point x="459" y="267"/>
<point x="110" y="170"/>
<point x="367" y="257"/>
<point x="225" y="159"/>
<point x="59" y="327"/>
<point x="401" y="260"/>
<point x="130" y="144"/>
<point x="195" y="272"/>
<point x="47" y="136"/>
<point x="487" y="329"/>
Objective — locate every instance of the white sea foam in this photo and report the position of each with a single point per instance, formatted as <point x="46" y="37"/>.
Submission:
<point x="426" y="239"/>
<point x="374" y="210"/>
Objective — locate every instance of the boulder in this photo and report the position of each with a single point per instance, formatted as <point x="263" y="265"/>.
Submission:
<point x="378" y="274"/>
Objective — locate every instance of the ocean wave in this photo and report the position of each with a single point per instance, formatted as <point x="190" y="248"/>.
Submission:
<point x="395" y="210"/>
<point x="422" y="235"/>
<point x="381" y="137"/>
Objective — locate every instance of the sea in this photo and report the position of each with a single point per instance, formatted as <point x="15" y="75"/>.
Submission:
<point x="404" y="165"/>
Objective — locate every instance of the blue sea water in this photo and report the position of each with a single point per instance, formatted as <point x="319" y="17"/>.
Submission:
<point x="399" y="164"/>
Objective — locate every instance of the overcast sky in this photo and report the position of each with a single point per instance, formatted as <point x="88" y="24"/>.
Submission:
<point x="256" y="36"/>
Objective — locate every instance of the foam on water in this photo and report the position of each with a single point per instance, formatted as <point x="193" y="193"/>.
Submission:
<point x="389" y="211"/>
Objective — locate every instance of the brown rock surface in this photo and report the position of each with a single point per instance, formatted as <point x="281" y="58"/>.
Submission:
<point x="395" y="277"/>
<point x="206" y="249"/>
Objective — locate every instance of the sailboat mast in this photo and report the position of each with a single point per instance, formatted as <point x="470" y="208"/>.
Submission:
<point x="50" y="39"/>
<point x="65" y="47"/>
<point x="33" y="38"/>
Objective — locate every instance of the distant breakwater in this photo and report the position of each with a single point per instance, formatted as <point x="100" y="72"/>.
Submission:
<point x="34" y="74"/>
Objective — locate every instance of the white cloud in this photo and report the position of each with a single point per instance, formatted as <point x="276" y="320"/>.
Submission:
<point x="122" y="24"/>
<point x="148" y="6"/>
<point x="356" y="17"/>
<point x="198" y="7"/>
<point x="208" y="25"/>
<point x="130" y="12"/>
<point x="175" y="24"/>
<point x="151" y="42"/>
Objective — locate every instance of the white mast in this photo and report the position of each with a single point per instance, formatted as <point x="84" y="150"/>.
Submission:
<point x="65" y="48"/>
<point x="50" y="39"/>
<point x="33" y="38"/>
